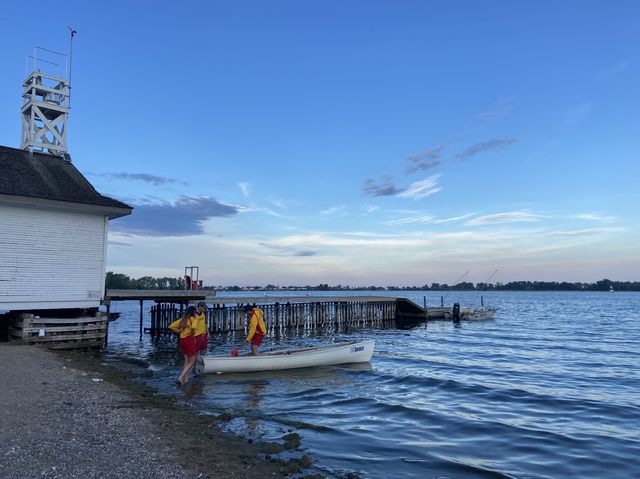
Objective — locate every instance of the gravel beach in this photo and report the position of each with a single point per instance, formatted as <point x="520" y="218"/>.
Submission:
<point x="64" y="415"/>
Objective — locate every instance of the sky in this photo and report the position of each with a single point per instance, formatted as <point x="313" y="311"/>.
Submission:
<point x="351" y="142"/>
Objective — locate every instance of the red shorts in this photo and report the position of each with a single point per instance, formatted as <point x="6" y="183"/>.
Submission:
<point x="257" y="339"/>
<point x="202" y="342"/>
<point x="188" y="346"/>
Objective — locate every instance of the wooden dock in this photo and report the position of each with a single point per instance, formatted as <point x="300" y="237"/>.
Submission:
<point x="305" y="313"/>
<point x="302" y="313"/>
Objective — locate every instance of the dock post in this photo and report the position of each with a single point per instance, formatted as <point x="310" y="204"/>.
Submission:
<point x="141" y="302"/>
<point x="424" y="301"/>
<point x="481" y="301"/>
<point x="442" y="301"/>
<point x="106" y="334"/>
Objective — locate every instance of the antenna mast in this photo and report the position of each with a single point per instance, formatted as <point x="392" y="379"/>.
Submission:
<point x="72" y="32"/>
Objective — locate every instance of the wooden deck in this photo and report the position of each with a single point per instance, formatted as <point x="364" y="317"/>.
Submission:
<point x="159" y="295"/>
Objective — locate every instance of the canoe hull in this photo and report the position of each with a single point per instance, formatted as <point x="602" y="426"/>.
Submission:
<point x="341" y="353"/>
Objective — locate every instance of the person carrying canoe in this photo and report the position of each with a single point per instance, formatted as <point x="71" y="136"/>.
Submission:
<point x="185" y="327"/>
<point x="257" y="328"/>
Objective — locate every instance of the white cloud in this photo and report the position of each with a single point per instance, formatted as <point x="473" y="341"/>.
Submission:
<point x="596" y="217"/>
<point x="370" y="208"/>
<point x="584" y="232"/>
<point x="334" y="211"/>
<point x="508" y="217"/>
<point x="245" y="188"/>
<point x="422" y="189"/>
<point x="411" y="220"/>
<point x="281" y="203"/>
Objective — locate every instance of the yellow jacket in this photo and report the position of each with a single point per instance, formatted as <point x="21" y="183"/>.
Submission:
<point x="186" y="331"/>
<point x="256" y="319"/>
<point x="201" y="324"/>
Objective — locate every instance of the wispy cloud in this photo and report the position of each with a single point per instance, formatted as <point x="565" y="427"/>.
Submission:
<point x="428" y="219"/>
<point x="287" y="250"/>
<point x="267" y="211"/>
<point x="492" y="145"/>
<point x="383" y="187"/>
<point x="144" y="177"/>
<point x="509" y="217"/>
<point x="453" y="219"/>
<point x="422" y="189"/>
<point x="596" y="217"/>
<point x="498" y="110"/>
<point x="583" y="232"/>
<point x="370" y="208"/>
<point x="181" y="218"/>
<point x="245" y="188"/>
<point x="614" y="70"/>
<point x="425" y="159"/>
<point x="411" y="220"/>
<point x="576" y="114"/>
<point x="282" y="203"/>
<point x="335" y="211"/>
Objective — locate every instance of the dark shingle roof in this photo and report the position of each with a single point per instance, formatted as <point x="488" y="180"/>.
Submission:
<point x="40" y="175"/>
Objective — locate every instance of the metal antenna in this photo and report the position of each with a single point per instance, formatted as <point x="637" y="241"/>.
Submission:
<point x="492" y="275"/>
<point x="72" y="32"/>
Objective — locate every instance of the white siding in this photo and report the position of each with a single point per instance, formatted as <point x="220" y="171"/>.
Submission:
<point x="50" y="259"/>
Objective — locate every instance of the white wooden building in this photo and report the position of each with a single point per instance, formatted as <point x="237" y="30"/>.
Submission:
<point x="53" y="233"/>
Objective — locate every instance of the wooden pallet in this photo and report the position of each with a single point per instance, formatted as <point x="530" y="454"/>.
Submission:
<point x="61" y="333"/>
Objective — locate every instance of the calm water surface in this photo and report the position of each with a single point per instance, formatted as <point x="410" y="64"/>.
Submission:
<point x="549" y="389"/>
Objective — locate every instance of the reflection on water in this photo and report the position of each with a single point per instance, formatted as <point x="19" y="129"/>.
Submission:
<point x="548" y="389"/>
<point x="254" y="394"/>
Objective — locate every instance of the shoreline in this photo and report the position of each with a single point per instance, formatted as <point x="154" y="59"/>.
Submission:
<point x="66" y="414"/>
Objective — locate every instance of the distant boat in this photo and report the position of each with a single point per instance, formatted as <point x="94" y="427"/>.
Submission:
<point x="478" y="313"/>
<point x="611" y="290"/>
<point x="339" y="353"/>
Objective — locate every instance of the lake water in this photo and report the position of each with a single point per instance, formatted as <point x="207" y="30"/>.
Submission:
<point x="548" y="389"/>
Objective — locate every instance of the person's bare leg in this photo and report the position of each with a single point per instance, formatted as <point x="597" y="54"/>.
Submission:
<point x="188" y="363"/>
<point x="192" y="364"/>
<point x="254" y="350"/>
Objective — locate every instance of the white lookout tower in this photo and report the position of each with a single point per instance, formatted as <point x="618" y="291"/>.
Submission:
<point x="46" y="94"/>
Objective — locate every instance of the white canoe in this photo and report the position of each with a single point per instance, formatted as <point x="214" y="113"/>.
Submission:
<point x="340" y="353"/>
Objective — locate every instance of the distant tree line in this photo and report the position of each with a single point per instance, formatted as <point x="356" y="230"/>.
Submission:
<point x="122" y="281"/>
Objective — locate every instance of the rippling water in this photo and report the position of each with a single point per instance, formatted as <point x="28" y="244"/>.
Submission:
<point x="549" y="389"/>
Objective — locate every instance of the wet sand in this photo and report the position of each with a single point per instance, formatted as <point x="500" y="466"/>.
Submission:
<point x="67" y="415"/>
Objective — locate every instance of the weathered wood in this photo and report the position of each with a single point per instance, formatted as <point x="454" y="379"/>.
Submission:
<point x="80" y="332"/>
<point x="330" y="315"/>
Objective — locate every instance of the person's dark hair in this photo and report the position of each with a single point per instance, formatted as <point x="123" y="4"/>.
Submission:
<point x="202" y="303"/>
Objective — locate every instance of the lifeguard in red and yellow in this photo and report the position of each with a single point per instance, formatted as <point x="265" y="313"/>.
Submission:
<point x="185" y="327"/>
<point x="257" y="328"/>
<point x="201" y="332"/>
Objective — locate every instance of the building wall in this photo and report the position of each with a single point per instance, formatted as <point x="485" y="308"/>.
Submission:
<point x="51" y="259"/>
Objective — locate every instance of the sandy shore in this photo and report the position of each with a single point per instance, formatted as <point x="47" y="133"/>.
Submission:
<point x="65" y="415"/>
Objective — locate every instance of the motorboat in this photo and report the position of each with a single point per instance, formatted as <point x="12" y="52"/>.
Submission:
<point x="478" y="313"/>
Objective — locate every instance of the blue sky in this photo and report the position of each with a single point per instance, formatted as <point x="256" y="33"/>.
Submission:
<point x="352" y="142"/>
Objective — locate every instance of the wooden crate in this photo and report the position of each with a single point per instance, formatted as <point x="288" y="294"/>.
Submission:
<point x="61" y="333"/>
